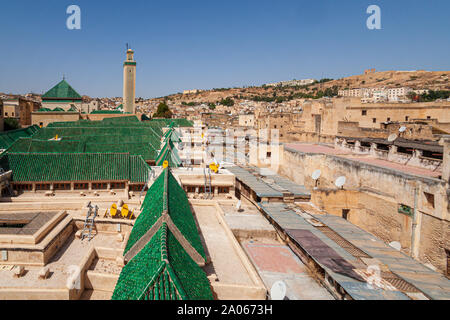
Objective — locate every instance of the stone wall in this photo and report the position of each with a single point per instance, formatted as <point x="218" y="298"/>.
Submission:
<point x="374" y="194"/>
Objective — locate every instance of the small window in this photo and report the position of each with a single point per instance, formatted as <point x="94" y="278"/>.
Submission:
<point x="374" y="120"/>
<point x="269" y="154"/>
<point x="364" y="112"/>
<point x="406" y="118"/>
<point x="345" y="213"/>
<point x="430" y="199"/>
<point x="428" y="117"/>
<point x="388" y="119"/>
<point x="6" y="113"/>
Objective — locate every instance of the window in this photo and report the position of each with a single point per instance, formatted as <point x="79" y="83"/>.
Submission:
<point x="99" y="186"/>
<point x="81" y="186"/>
<point x="374" y="120"/>
<point x="345" y="213"/>
<point x="61" y="186"/>
<point x="430" y="199"/>
<point x="364" y="113"/>
<point x="6" y="113"/>
<point x="406" y="118"/>
<point x="42" y="186"/>
<point x="428" y="117"/>
<point x="388" y="119"/>
<point x="224" y="190"/>
<point x="117" y="185"/>
<point x="269" y="154"/>
<point x="190" y="189"/>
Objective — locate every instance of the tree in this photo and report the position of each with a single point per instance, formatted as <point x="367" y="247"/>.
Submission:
<point x="211" y="106"/>
<point x="163" y="111"/>
<point x="227" y="102"/>
<point x="11" y="124"/>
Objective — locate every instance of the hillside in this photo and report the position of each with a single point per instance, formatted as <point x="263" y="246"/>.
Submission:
<point x="436" y="80"/>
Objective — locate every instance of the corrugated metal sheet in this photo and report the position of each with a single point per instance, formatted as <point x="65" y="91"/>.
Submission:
<point x="261" y="188"/>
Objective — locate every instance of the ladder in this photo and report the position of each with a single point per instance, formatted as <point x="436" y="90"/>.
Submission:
<point x="89" y="222"/>
<point x="208" y="186"/>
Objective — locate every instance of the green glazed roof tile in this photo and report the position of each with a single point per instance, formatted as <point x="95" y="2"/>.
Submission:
<point x="61" y="91"/>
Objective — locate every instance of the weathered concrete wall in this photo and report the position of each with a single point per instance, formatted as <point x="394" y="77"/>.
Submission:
<point x="372" y="212"/>
<point x="435" y="238"/>
<point x="44" y="118"/>
<point x="373" y="195"/>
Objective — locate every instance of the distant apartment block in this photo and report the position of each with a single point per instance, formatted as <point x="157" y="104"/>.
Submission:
<point x="375" y="95"/>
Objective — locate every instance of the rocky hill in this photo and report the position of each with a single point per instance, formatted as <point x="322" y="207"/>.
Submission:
<point x="436" y="80"/>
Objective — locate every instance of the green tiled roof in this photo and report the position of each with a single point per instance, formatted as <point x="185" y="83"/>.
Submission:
<point x="181" y="215"/>
<point x="116" y="120"/>
<point x="44" y="110"/>
<point x="152" y="209"/>
<point x="163" y="269"/>
<point x="144" y="149"/>
<point x="7" y="138"/>
<point x="176" y="122"/>
<point x="168" y="153"/>
<point x="107" y="112"/>
<point x="52" y="167"/>
<point x="61" y="91"/>
<point x="140" y="271"/>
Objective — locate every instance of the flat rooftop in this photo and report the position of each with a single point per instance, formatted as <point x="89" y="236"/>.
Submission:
<point x="266" y="183"/>
<point x="321" y="149"/>
<point x="27" y="223"/>
<point x="346" y="252"/>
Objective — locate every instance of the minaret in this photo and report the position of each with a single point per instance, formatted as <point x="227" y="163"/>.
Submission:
<point x="129" y="82"/>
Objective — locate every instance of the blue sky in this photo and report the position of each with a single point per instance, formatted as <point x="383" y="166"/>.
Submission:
<point x="211" y="44"/>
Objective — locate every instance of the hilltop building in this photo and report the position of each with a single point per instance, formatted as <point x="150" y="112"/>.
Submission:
<point x="129" y="83"/>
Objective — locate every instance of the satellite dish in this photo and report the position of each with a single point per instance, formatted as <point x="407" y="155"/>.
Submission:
<point x="402" y="129"/>
<point x="316" y="174"/>
<point x="392" y="137"/>
<point x="396" y="245"/>
<point x="278" y="291"/>
<point x="340" y="181"/>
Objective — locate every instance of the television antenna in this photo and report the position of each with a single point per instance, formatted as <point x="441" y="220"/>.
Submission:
<point x="239" y="206"/>
<point x="278" y="291"/>
<point x="392" y="137"/>
<point x="340" y="182"/>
